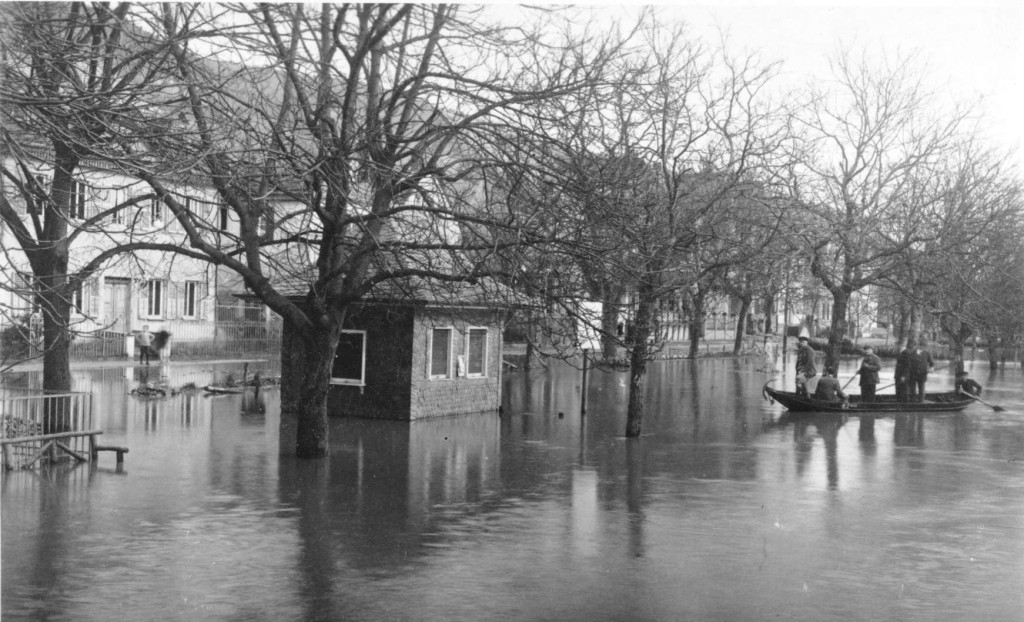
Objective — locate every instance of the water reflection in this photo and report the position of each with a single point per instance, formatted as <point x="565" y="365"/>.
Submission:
<point x="726" y="508"/>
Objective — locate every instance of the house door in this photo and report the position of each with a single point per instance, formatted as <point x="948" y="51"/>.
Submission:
<point x="115" y="305"/>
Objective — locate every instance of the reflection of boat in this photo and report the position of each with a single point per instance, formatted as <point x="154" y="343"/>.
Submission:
<point x="933" y="402"/>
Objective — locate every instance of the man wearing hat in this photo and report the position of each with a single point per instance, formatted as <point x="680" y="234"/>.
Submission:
<point x="805" y="369"/>
<point x="869" y="368"/>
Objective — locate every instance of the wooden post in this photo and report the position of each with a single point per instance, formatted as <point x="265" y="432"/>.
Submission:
<point x="583" y="388"/>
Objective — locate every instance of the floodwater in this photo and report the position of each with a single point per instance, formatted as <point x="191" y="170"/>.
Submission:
<point x="725" y="509"/>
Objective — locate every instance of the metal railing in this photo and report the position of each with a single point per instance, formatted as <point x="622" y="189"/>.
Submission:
<point x="33" y="415"/>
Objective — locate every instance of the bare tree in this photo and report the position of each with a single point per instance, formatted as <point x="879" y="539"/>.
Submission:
<point x="356" y="148"/>
<point x="71" y="71"/>
<point x="680" y="140"/>
<point x="871" y="179"/>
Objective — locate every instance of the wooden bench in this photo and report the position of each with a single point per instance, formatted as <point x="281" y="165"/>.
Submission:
<point x="56" y="441"/>
<point x="121" y="451"/>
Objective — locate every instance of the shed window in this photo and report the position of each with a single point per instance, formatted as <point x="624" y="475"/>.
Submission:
<point x="440" y="353"/>
<point x="476" y="353"/>
<point x="350" y="359"/>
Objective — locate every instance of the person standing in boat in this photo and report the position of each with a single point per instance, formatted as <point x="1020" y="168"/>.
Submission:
<point x="920" y="364"/>
<point x="828" y="388"/>
<point x="870" y="365"/>
<point x="805" y="369"/>
<point x="902" y="375"/>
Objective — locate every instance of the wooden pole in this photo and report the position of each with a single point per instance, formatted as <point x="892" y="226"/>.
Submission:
<point x="583" y="389"/>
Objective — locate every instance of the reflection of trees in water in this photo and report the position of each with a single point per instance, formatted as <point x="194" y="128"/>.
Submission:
<point x="388" y="491"/>
<point x="635" y="497"/>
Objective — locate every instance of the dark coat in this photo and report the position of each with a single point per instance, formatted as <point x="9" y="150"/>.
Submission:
<point x="805" y="361"/>
<point x="869" y="368"/>
<point x="969" y="385"/>
<point x="828" y="389"/>
<point x="903" y="365"/>
<point x="920" y="363"/>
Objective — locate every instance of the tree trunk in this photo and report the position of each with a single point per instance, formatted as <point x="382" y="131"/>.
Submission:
<point x="993" y="351"/>
<point x="903" y="326"/>
<point x="50" y="265"/>
<point x="696" y="324"/>
<point x="769" y="314"/>
<point x="914" y="327"/>
<point x="838" y="327"/>
<point x="610" y="338"/>
<point x="305" y="380"/>
<point x="56" y="312"/>
<point x="639" y="355"/>
<point x="741" y="325"/>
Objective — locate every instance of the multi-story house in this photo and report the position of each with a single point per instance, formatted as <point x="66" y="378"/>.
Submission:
<point x="154" y="288"/>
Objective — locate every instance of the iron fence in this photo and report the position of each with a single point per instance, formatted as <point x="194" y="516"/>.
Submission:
<point x="28" y="414"/>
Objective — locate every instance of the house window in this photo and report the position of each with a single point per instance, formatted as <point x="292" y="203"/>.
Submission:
<point x="79" y="192"/>
<point x="117" y="216"/>
<point x="224" y="218"/>
<point x="350" y="359"/>
<point x="476" y="353"/>
<point x="40" y="194"/>
<point x="191" y="302"/>
<point x="154" y="299"/>
<point x="156" y="212"/>
<point x="79" y="300"/>
<point x="440" y="353"/>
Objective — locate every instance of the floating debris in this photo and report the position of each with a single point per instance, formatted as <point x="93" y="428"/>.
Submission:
<point x="149" y="391"/>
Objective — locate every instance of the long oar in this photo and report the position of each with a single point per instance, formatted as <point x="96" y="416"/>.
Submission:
<point x="850" y="380"/>
<point x="930" y="371"/>
<point x="994" y="407"/>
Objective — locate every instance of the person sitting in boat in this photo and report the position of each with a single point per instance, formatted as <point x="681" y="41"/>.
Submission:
<point x="967" y="385"/>
<point x="805" y="369"/>
<point x="828" y="389"/>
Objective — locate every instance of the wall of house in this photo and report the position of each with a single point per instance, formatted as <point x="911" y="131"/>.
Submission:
<point x="456" y="394"/>
<point x="145" y="288"/>
<point x="398" y="350"/>
<point x="389" y="360"/>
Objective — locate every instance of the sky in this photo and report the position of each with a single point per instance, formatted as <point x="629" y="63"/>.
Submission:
<point x="972" y="50"/>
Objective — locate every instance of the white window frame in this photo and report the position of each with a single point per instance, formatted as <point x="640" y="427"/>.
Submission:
<point x="160" y="299"/>
<point x="430" y="353"/>
<point x="361" y="381"/>
<point x="469" y="340"/>
<point x="117" y="216"/>
<point x="157" y="212"/>
<point x="80" y="300"/>
<point x="78" y="205"/>
<point x="196" y="289"/>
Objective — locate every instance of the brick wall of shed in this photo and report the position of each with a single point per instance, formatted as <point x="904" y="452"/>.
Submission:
<point x="389" y="358"/>
<point x="457" y="395"/>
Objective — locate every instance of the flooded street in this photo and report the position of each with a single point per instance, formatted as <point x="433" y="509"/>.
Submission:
<point x="726" y="509"/>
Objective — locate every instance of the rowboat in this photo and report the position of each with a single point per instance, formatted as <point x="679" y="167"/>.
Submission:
<point x="948" y="401"/>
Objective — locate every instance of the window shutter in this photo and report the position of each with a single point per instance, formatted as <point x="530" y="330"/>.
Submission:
<point x="204" y="304"/>
<point x="94" y="298"/>
<point x="143" y="299"/>
<point x="174" y="300"/>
